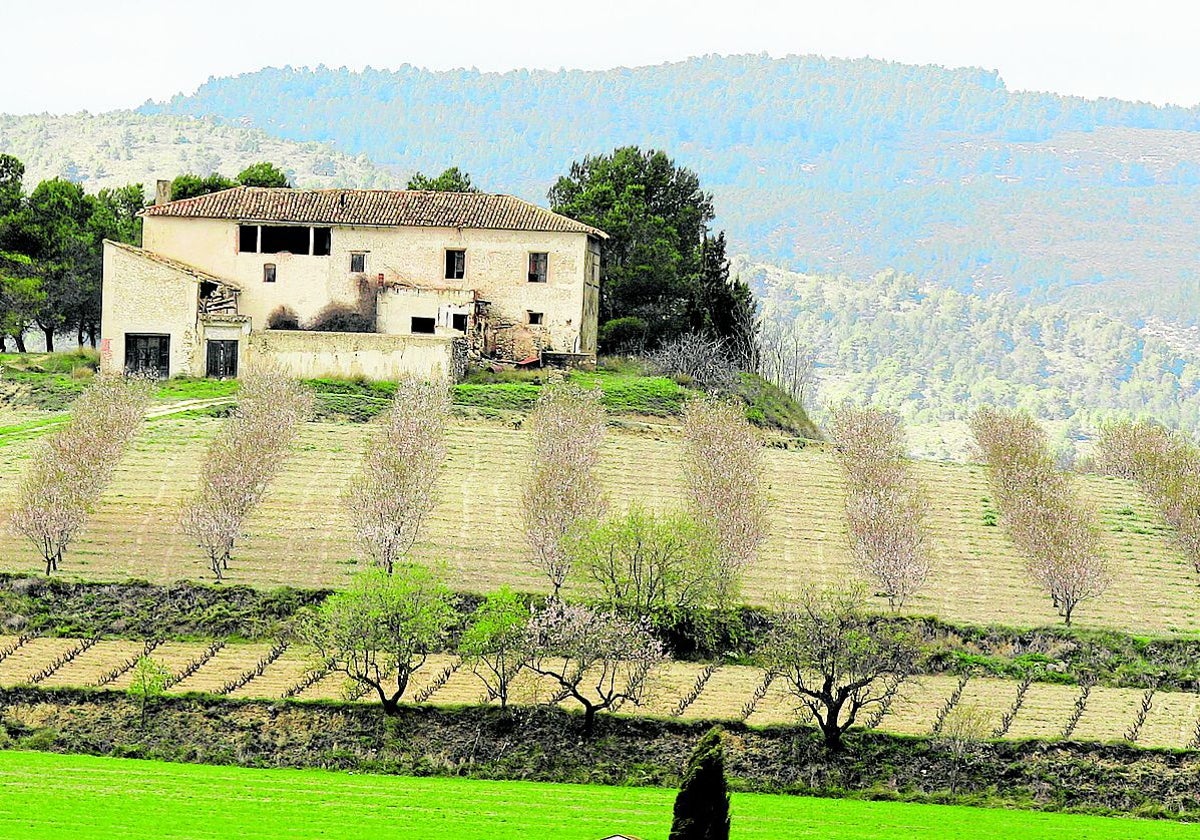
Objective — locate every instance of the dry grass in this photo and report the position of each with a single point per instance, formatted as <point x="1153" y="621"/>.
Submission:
<point x="229" y="663"/>
<point x="90" y="666"/>
<point x="300" y="536"/>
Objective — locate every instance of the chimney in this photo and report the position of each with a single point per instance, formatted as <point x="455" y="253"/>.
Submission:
<point x="162" y="192"/>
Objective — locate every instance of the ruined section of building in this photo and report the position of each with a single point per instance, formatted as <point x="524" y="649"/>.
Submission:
<point x="368" y="283"/>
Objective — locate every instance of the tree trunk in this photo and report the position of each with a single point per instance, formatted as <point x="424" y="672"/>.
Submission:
<point x="391" y="705"/>
<point x="3" y="343"/>
<point x="20" y="342"/>
<point x="589" y="720"/>
<point x="832" y="734"/>
<point x="49" y="339"/>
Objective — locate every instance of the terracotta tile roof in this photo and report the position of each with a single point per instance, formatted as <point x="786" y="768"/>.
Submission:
<point x="183" y="268"/>
<point x="407" y="208"/>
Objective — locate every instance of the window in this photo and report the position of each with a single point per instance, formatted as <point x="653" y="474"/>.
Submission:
<point x="248" y="239"/>
<point x="148" y="354"/>
<point x="279" y="239"/>
<point x="535" y="319"/>
<point x="322" y="240"/>
<point x="269" y="273"/>
<point x="424" y="326"/>
<point x="358" y="263"/>
<point x="538" y="266"/>
<point x="459" y="322"/>
<point x="456" y="264"/>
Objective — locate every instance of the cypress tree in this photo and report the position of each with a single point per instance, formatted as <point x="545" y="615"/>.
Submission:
<point x="702" y="806"/>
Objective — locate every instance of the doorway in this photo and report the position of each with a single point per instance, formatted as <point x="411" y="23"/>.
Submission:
<point x="222" y="359"/>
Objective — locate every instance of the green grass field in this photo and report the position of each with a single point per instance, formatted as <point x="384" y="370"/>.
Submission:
<point x="46" y="796"/>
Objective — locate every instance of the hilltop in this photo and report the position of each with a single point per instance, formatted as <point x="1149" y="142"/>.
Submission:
<point x="110" y="150"/>
<point x="820" y="165"/>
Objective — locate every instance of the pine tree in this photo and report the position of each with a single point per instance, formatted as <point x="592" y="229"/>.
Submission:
<point x="724" y="307"/>
<point x="702" y="806"/>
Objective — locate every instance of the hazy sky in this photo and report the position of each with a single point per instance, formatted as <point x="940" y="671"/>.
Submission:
<point x="68" y="55"/>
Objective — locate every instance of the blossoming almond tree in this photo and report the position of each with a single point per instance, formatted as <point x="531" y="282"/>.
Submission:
<point x="396" y="489"/>
<point x="70" y="471"/>
<point x="562" y="491"/>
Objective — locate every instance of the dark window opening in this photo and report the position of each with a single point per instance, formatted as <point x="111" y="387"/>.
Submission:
<point x="456" y="265"/>
<point x="322" y="242"/>
<point x="222" y="358"/>
<point x="278" y="239"/>
<point x="538" y="267"/>
<point x="269" y="273"/>
<point x="424" y="326"/>
<point x="207" y="289"/>
<point x="358" y="263"/>
<point x="148" y="354"/>
<point x="459" y="322"/>
<point x="535" y="318"/>
<point x="248" y="239"/>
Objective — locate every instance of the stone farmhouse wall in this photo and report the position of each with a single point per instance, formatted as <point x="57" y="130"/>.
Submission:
<point x="496" y="266"/>
<point x="309" y="355"/>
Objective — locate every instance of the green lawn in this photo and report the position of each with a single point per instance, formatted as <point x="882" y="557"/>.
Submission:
<point x="47" y="796"/>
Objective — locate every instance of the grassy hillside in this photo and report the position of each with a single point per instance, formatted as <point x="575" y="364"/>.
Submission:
<point x="109" y="150"/>
<point x="823" y="165"/>
<point x="300" y="534"/>
<point x="190" y="802"/>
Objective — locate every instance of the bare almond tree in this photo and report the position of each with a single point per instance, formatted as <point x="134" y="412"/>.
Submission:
<point x="786" y="360"/>
<point x="706" y="360"/>
<point x="600" y="659"/>
<point x="1166" y="466"/>
<point x="396" y="489"/>
<point x="722" y="465"/>
<point x="1044" y="518"/>
<point x="562" y="490"/>
<point x="885" y="507"/>
<point x="73" y="466"/>
<point x="243" y="459"/>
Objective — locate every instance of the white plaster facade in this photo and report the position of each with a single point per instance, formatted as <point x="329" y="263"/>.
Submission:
<point x="402" y="283"/>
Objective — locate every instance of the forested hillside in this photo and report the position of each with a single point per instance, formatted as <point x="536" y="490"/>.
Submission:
<point x="111" y="150"/>
<point x="937" y="354"/>
<point x="821" y="165"/>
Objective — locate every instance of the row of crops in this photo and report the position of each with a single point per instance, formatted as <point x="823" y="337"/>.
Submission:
<point x="689" y="691"/>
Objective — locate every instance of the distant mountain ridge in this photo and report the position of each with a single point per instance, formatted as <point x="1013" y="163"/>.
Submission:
<point x="122" y="147"/>
<point x="821" y="165"/>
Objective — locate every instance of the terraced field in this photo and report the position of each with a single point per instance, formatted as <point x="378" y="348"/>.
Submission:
<point x="300" y="536"/>
<point x="727" y="692"/>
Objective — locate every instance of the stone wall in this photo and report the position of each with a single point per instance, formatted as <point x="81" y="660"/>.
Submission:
<point x="310" y="355"/>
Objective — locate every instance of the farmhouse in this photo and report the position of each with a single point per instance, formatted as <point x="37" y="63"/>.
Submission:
<point x="371" y="283"/>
